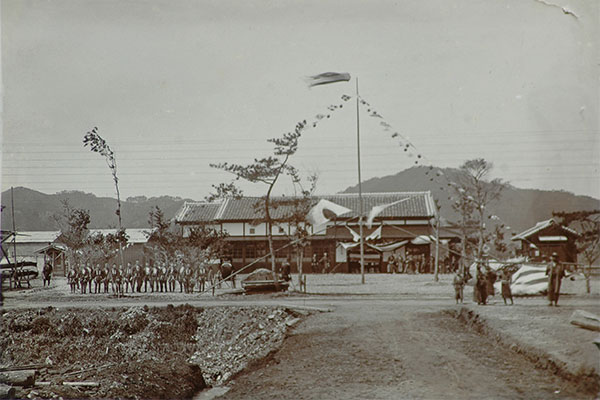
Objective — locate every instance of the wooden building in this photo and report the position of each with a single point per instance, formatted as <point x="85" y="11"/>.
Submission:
<point x="24" y="246"/>
<point x="400" y="229"/>
<point x="45" y="246"/>
<point x="547" y="237"/>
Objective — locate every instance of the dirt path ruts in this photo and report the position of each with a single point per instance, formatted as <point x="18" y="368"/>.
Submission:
<point x="362" y="351"/>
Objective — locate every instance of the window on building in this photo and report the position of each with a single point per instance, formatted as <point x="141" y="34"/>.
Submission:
<point x="250" y="251"/>
<point x="260" y="249"/>
<point x="237" y="252"/>
<point x="281" y="230"/>
<point x="252" y="231"/>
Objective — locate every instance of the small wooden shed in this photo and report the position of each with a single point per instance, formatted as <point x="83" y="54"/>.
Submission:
<point x="547" y="237"/>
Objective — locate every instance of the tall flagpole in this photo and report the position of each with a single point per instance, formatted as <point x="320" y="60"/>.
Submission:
<point x="360" y="200"/>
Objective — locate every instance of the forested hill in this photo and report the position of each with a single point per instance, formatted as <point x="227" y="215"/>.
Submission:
<point x="35" y="211"/>
<point x="519" y="208"/>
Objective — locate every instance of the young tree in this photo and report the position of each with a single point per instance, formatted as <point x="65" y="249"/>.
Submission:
<point x="464" y="207"/>
<point x="498" y="239"/>
<point x="266" y="171"/>
<point x="164" y="241"/>
<point x="588" y="242"/>
<point x="203" y="241"/>
<point x="98" y="145"/>
<point x="73" y="224"/>
<point x="475" y="193"/>
<point x="100" y="248"/>
<point x="298" y="208"/>
<point x="206" y="241"/>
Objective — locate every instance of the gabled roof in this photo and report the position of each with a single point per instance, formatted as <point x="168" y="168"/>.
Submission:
<point x="420" y="205"/>
<point x="540" y="226"/>
<point x="53" y="246"/>
<point x="36" y="236"/>
<point x="192" y="211"/>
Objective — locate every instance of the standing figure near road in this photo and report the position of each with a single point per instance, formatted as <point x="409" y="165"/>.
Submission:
<point x="128" y="278"/>
<point x="314" y="264"/>
<point x="410" y="265"/>
<point x="115" y="279"/>
<point x="391" y="261"/>
<point x="98" y="278"/>
<point x="84" y="278"/>
<point x="106" y="277"/>
<point x="148" y="278"/>
<point x="490" y="277"/>
<point x="163" y="277"/>
<point x="505" y="277"/>
<point x="286" y="271"/>
<point x="47" y="273"/>
<point x="227" y="272"/>
<point x="171" y="277"/>
<point x="555" y="272"/>
<point x="325" y="263"/>
<point x="138" y="276"/>
<point x="480" y="290"/>
<point x="73" y="279"/>
<point x="459" y="286"/>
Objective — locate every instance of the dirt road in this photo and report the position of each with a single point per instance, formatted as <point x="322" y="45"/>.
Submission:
<point x="397" y="337"/>
<point x="396" y="351"/>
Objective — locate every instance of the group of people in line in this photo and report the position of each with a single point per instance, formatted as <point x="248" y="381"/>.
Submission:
<point x="486" y="277"/>
<point x="418" y="264"/>
<point x="160" y="277"/>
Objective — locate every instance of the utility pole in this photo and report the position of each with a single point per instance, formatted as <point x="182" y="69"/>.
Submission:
<point x="360" y="200"/>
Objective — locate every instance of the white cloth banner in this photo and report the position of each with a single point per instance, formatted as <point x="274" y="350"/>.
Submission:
<point x="376" y="234"/>
<point x="317" y="218"/>
<point x="355" y="236"/>
<point x="347" y="246"/>
<point x="375" y="211"/>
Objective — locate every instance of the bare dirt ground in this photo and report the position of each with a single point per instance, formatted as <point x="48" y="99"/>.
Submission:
<point x="397" y="336"/>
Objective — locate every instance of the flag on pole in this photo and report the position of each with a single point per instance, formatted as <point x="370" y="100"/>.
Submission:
<point x="317" y="218"/>
<point x="375" y="211"/>
<point x="327" y="77"/>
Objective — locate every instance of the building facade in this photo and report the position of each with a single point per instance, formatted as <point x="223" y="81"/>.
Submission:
<point x="547" y="237"/>
<point x="404" y="229"/>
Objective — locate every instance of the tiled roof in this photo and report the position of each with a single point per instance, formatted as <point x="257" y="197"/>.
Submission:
<point x="539" y="227"/>
<point x="197" y="212"/>
<point x="420" y="205"/>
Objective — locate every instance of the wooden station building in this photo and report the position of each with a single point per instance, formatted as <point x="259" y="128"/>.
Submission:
<point x="403" y="229"/>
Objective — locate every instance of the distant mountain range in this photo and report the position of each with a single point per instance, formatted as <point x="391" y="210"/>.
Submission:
<point x="518" y="208"/>
<point x="35" y="211"/>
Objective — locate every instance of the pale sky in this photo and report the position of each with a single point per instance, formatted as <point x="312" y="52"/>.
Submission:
<point x="175" y="85"/>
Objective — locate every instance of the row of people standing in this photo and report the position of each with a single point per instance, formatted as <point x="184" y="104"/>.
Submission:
<point x="415" y="264"/>
<point x="484" y="284"/>
<point x="486" y="277"/>
<point x="160" y="277"/>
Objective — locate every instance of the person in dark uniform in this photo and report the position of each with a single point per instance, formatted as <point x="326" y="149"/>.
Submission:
<point x="480" y="290"/>
<point x="285" y="271"/>
<point x="555" y="272"/>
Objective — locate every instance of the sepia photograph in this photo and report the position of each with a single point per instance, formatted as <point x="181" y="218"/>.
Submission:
<point x="300" y="199"/>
